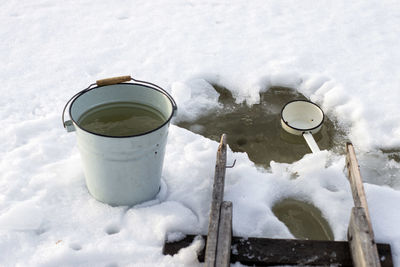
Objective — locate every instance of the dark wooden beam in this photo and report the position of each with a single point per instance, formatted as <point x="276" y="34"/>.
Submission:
<point x="268" y="252"/>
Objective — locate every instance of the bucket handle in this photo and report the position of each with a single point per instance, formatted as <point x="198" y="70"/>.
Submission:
<point x="68" y="125"/>
<point x="113" y="80"/>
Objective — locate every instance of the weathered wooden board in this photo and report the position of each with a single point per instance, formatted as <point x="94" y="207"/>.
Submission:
<point x="355" y="180"/>
<point x="269" y="252"/>
<point x="224" y="236"/>
<point x="216" y="201"/>
<point x="363" y="249"/>
<point x="360" y="232"/>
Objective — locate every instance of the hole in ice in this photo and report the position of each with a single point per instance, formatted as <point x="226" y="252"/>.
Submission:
<point x="112" y="229"/>
<point x="256" y="129"/>
<point x="303" y="220"/>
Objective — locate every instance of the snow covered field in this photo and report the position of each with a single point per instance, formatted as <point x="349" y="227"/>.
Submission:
<point x="344" y="55"/>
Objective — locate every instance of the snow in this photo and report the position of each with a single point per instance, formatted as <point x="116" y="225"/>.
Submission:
<point x="341" y="54"/>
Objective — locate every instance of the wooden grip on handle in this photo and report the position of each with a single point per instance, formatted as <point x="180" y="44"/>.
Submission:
<point x="113" y="80"/>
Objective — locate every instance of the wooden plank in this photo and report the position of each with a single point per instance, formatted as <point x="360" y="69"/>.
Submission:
<point x="363" y="247"/>
<point x="360" y="232"/>
<point x="355" y="180"/>
<point x="267" y="252"/>
<point x="224" y="236"/>
<point x="216" y="201"/>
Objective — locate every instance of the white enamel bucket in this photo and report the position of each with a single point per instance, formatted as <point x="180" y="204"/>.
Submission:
<point x="302" y="117"/>
<point x="121" y="170"/>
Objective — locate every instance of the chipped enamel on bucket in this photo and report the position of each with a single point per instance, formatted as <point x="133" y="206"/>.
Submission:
<point x="302" y="117"/>
<point x="122" y="170"/>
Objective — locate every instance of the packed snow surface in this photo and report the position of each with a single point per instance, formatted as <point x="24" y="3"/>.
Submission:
<point x="343" y="55"/>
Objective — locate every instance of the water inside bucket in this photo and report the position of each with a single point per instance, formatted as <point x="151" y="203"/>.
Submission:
<point x="121" y="119"/>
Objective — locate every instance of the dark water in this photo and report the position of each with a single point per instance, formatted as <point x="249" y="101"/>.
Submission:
<point x="256" y="129"/>
<point x="121" y="119"/>
<point x="303" y="220"/>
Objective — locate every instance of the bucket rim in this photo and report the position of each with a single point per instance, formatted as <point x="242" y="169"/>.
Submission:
<point x="162" y="91"/>
<point x="304" y="129"/>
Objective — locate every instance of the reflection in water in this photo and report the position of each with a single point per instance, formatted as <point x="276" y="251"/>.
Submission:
<point x="256" y="129"/>
<point x="303" y="220"/>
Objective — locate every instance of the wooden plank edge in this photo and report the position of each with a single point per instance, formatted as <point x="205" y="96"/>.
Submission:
<point x="360" y="232"/>
<point x="362" y="245"/>
<point x="216" y="201"/>
<point x="355" y="179"/>
<point x="224" y="236"/>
